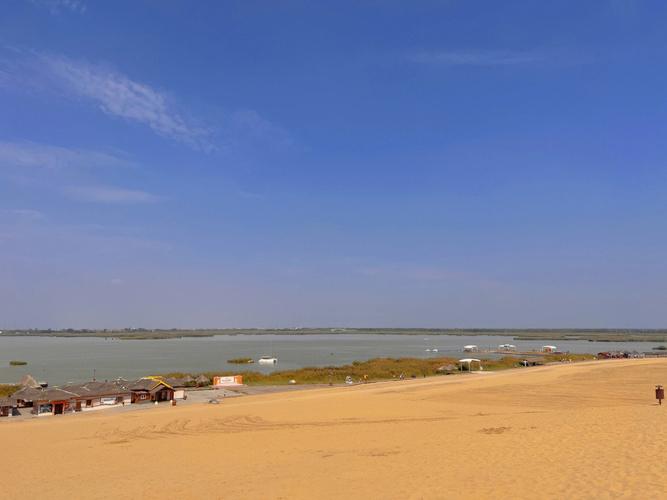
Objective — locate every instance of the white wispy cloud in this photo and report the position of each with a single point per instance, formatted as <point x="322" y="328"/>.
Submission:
<point x="475" y="58"/>
<point x="625" y="8"/>
<point x="251" y="126"/>
<point x="32" y="154"/>
<point x="425" y="274"/>
<point x="22" y="213"/>
<point x="418" y="273"/>
<point x="109" y="194"/>
<point x="118" y="95"/>
<point x="5" y="77"/>
<point x="57" y="6"/>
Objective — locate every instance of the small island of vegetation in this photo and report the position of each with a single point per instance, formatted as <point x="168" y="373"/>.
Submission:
<point x="17" y="363"/>
<point x="240" y="361"/>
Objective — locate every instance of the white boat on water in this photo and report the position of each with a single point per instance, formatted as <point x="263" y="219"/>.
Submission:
<point x="267" y="360"/>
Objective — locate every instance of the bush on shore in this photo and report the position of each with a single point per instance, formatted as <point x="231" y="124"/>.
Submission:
<point x="374" y="370"/>
<point x="7" y="390"/>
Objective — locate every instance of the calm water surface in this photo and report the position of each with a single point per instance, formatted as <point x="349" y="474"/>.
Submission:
<point x="61" y="360"/>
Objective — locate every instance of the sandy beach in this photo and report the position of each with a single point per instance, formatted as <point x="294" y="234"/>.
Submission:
<point x="587" y="430"/>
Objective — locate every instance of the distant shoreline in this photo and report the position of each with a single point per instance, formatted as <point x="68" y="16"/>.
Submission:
<point x="601" y="335"/>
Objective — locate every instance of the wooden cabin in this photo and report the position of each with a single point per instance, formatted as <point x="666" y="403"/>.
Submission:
<point x="7" y="407"/>
<point x="52" y="401"/>
<point x="95" y="394"/>
<point x="151" y="389"/>
<point x="25" y="396"/>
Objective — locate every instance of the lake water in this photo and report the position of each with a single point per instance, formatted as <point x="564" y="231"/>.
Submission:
<point x="61" y="360"/>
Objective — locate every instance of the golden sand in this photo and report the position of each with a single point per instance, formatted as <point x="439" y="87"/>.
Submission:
<point x="590" y="430"/>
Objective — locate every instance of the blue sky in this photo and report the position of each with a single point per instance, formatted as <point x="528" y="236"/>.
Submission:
<point x="375" y="163"/>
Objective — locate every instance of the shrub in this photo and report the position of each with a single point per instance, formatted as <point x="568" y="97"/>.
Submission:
<point x="7" y="390"/>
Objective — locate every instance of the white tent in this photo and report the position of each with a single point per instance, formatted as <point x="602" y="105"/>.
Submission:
<point x="468" y="363"/>
<point x="470" y="348"/>
<point x="549" y="348"/>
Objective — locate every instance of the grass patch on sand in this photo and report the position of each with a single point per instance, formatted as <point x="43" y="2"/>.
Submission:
<point x="376" y="369"/>
<point x="508" y="362"/>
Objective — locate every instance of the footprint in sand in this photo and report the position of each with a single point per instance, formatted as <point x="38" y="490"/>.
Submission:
<point x="494" y="430"/>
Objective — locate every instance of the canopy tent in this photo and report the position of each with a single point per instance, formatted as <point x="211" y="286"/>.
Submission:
<point x="470" y="348"/>
<point x="468" y="363"/>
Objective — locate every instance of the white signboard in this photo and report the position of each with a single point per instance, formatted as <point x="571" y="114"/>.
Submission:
<point x="226" y="381"/>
